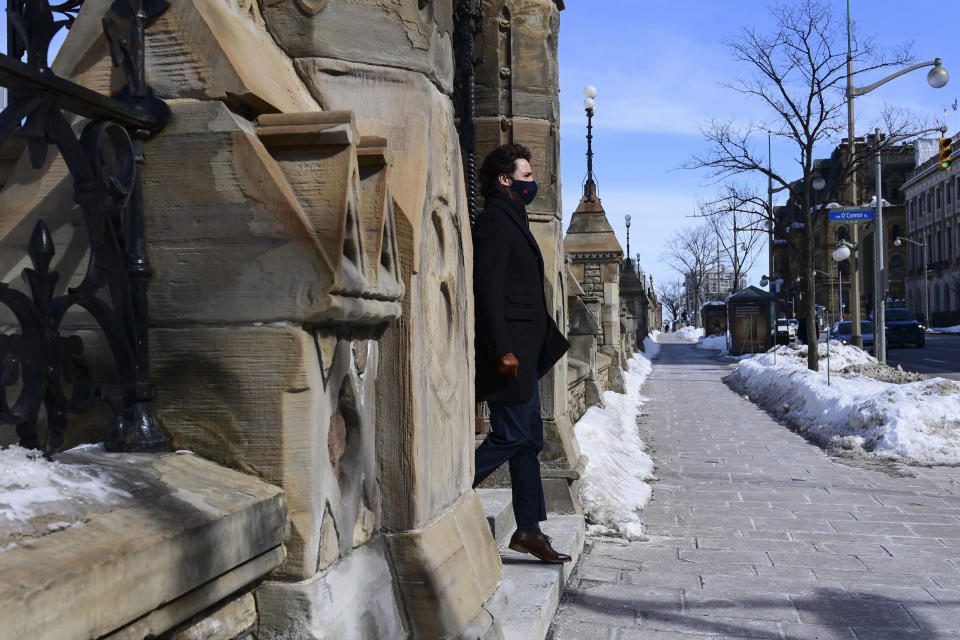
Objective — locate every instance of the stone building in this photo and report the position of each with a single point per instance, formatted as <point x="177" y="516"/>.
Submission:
<point x="594" y="256"/>
<point x="312" y="320"/>
<point x="307" y="223"/>
<point x="640" y="301"/>
<point x="833" y="280"/>
<point x="933" y="203"/>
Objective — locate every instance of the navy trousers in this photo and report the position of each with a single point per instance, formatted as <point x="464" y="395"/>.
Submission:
<point x="516" y="437"/>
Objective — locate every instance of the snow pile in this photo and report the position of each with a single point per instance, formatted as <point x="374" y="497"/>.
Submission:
<point x="717" y="341"/>
<point x="651" y="347"/>
<point x="690" y="334"/>
<point x="954" y="329"/>
<point x="919" y="421"/>
<point x="613" y="488"/>
<point x="32" y="486"/>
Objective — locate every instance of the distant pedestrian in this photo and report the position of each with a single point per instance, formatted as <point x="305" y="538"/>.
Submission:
<point x="517" y="340"/>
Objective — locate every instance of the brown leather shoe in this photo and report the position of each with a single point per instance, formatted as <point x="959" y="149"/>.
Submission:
<point x="537" y="544"/>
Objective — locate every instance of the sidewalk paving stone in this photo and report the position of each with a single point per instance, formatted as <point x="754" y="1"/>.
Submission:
<point x="756" y="533"/>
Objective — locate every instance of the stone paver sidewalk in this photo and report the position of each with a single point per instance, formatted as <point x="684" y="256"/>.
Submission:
<point x="755" y="533"/>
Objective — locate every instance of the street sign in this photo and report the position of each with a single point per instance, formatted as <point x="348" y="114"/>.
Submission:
<point x="853" y="215"/>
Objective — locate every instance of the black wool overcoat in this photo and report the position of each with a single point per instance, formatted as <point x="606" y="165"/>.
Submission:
<point x="510" y="306"/>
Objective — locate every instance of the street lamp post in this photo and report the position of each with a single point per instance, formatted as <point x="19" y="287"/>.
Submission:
<point x="627" y="221"/>
<point x="590" y="106"/>
<point x="840" y="288"/>
<point x="898" y="241"/>
<point x="936" y="78"/>
<point x="843" y="252"/>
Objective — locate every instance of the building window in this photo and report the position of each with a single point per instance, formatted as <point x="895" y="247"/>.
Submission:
<point x="896" y="266"/>
<point x="949" y="243"/>
<point x="930" y="200"/>
<point x="948" y="192"/>
<point x="939" y="245"/>
<point x="894" y="233"/>
<point x="939" y="197"/>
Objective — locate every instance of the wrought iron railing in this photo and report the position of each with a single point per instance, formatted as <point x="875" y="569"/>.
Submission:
<point x="105" y="161"/>
<point x="468" y="24"/>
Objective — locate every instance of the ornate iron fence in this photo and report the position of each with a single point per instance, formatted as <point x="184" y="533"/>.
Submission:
<point x="106" y="163"/>
<point x="468" y="25"/>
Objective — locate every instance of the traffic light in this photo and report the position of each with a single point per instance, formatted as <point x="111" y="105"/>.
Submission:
<point x="945" y="151"/>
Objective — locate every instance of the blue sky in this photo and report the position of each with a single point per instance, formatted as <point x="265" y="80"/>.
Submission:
<point x="657" y="67"/>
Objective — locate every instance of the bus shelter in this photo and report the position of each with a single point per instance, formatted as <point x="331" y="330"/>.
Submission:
<point x="714" y="314"/>
<point x="751" y="321"/>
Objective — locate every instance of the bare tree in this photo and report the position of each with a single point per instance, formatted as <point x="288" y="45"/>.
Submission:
<point x="690" y="252"/>
<point x="738" y="220"/>
<point x="798" y="72"/>
<point x="671" y="295"/>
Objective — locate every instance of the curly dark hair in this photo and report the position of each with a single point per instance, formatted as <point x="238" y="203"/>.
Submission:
<point x="503" y="159"/>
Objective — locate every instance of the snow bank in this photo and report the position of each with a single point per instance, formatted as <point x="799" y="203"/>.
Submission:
<point x="919" y="421"/>
<point x="32" y="486"/>
<point x="690" y="334"/>
<point x="718" y="341"/>
<point x="613" y="488"/>
<point x="651" y="347"/>
<point x="953" y="329"/>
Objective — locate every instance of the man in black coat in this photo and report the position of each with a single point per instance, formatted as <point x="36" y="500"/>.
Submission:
<point x="517" y="341"/>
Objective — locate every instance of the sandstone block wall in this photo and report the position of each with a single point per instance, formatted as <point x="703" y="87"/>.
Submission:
<point x="311" y="298"/>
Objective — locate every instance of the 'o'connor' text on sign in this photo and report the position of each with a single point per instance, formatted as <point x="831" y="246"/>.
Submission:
<point x="853" y="215"/>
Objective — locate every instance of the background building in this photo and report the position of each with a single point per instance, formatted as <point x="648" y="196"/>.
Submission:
<point x="717" y="284"/>
<point x="933" y="222"/>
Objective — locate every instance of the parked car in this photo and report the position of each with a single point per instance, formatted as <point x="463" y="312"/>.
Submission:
<point x="903" y="328"/>
<point x="786" y="330"/>
<point x="843" y="331"/>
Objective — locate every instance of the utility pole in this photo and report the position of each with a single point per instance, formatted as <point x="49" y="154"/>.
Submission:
<point x="880" y="323"/>
<point x="856" y="338"/>
<point x="736" y="257"/>
<point x="769" y="210"/>
<point x="718" y="267"/>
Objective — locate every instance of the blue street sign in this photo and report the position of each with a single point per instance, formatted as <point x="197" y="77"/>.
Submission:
<point x="853" y="215"/>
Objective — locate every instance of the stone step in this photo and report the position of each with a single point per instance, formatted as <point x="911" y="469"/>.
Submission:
<point x="533" y="588"/>
<point x="498" y="507"/>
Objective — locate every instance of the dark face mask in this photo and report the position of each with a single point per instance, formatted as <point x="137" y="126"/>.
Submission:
<point x="526" y="189"/>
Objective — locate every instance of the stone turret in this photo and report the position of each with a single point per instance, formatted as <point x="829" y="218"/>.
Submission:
<point x="596" y="254"/>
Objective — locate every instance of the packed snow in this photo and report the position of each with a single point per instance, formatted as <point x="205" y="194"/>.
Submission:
<point x="690" y="334"/>
<point x="33" y="489"/>
<point x="918" y="421"/>
<point x="953" y="329"/>
<point x="714" y="342"/>
<point x="614" y="486"/>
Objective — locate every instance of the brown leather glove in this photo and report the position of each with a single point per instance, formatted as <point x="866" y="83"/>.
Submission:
<point x="508" y="365"/>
